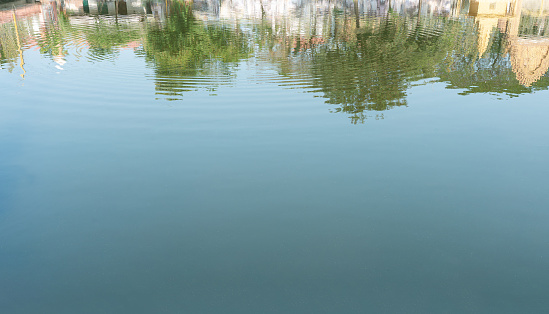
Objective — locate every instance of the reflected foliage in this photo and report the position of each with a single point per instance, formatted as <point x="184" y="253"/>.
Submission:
<point x="102" y="36"/>
<point x="8" y="45"/>
<point x="373" y="72"/>
<point x="368" y="69"/>
<point x="534" y="26"/>
<point x="57" y="35"/>
<point x="362" y="64"/>
<point x="183" y="47"/>
<point x="105" y="36"/>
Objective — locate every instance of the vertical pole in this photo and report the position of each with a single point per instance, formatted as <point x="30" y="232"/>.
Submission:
<point x="356" y="14"/>
<point x="419" y="11"/>
<point x="22" y="62"/>
<point x="457" y="8"/>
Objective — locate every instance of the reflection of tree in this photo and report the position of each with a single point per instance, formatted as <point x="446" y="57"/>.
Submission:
<point x="374" y="72"/>
<point x="104" y="36"/>
<point x="8" y="45"/>
<point x="536" y="26"/>
<point x="183" y="47"/>
<point x="56" y="35"/>
<point x="369" y="68"/>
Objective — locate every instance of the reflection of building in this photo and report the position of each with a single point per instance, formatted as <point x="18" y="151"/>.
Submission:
<point x="273" y="9"/>
<point x="300" y="14"/>
<point x="529" y="54"/>
<point x="529" y="58"/>
<point x="105" y="7"/>
<point x="487" y="8"/>
<point x="6" y="16"/>
<point x="488" y="14"/>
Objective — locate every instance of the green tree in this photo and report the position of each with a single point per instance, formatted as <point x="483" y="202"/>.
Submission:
<point x="374" y="72"/>
<point x="183" y="47"/>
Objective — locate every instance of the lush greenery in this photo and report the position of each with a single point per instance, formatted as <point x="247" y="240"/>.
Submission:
<point x="181" y="46"/>
<point x="374" y="71"/>
<point x="361" y="65"/>
<point x="8" y="44"/>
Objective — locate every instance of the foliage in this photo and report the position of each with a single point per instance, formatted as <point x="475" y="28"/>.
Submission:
<point x="183" y="46"/>
<point x="8" y="44"/>
<point x="57" y="34"/>
<point x="374" y="72"/>
<point x="360" y="64"/>
<point x="104" y="36"/>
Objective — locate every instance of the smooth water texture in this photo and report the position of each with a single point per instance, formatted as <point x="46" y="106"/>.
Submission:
<point x="274" y="156"/>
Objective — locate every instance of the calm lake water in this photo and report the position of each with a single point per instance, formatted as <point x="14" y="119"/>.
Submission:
<point x="274" y="157"/>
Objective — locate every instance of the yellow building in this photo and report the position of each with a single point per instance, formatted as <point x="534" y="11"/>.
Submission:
<point x="529" y="56"/>
<point x="488" y="8"/>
